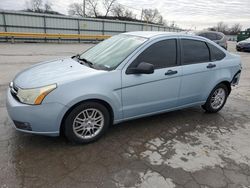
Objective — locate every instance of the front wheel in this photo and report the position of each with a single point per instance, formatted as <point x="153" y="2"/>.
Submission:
<point x="216" y="99"/>
<point x="86" y="122"/>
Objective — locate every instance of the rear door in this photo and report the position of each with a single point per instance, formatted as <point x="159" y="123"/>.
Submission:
<point x="198" y="71"/>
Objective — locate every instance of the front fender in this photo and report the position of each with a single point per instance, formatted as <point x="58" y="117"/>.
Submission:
<point x="114" y="104"/>
<point x="105" y="87"/>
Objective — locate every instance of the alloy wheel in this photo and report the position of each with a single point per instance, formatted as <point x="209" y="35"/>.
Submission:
<point x="88" y="123"/>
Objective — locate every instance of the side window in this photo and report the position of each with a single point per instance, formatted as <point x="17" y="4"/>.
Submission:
<point x="216" y="53"/>
<point x="219" y="37"/>
<point x="161" y="54"/>
<point x="212" y="36"/>
<point x="194" y="51"/>
<point x="203" y="35"/>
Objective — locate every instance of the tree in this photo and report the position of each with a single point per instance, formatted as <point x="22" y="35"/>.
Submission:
<point x="47" y="7"/>
<point x="129" y="14"/>
<point x="152" y="16"/>
<point x="162" y="21"/>
<point x="76" y="9"/>
<point x="120" y="11"/>
<point x="34" y="5"/>
<point x="39" y="6"/>
<point x="108" y="5"/>
<point x="222" y="27"/>
<point x="173" y="24"/>
<point x="235" y="29"/>
<point x="92" y="7"/>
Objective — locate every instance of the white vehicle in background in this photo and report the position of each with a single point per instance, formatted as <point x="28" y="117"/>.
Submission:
<point x="218" y="37"/>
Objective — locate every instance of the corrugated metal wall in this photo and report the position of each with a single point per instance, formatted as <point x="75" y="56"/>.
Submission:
<point x="1" y="24"/>
<point x="12" y="21"/>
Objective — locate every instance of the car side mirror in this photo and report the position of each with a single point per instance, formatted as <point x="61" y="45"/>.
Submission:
<point x="142" y="68"/>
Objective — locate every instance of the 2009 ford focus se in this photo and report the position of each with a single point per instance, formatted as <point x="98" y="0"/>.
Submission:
<point x="127" y="76"/>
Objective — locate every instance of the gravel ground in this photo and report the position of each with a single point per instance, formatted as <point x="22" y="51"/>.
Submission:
<point x="185" y="148"/>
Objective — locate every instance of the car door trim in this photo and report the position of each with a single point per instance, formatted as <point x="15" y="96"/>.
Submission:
<point x="148" y="82"/>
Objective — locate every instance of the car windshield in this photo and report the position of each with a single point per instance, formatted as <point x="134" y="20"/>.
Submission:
<point x="111" y="52"/>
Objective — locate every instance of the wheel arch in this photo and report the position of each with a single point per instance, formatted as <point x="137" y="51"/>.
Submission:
<point x="227" y="84"/>
<point x="223" y="81"/>
<point x="103" y="102"/>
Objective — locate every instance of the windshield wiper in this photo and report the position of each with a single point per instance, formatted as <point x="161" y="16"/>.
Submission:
<point x="90" y="64"/>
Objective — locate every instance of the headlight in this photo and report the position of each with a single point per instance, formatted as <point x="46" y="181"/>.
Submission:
<point x="34" y="96"/>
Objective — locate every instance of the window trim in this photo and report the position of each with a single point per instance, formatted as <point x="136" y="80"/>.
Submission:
<point x="177" y="63"/>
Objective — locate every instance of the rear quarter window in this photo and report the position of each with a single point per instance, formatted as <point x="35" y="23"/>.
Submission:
<point x="215" y="53"/>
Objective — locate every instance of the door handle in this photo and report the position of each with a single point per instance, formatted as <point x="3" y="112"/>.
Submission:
<point x="171" y="72"/>
<point x="210" y="66"/>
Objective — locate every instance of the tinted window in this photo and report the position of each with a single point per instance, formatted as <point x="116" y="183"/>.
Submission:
<point x="194" y="51"/>
<point x="218" y="37"/>
<point x="203" y="35"/>
<point x="216" y="53"/>
<point x="161" y="54"/>
<point x="212" y="36"/>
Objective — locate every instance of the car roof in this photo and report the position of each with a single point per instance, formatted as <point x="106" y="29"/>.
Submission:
<point x="206" y="31"/>
<point x="156" y="34"/>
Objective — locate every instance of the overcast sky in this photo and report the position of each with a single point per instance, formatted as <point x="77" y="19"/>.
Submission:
<point x="188" y="14"/>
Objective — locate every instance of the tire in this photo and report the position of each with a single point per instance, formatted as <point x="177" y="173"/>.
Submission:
<point x="213" y="106"/>
<point x="86" y="123"/>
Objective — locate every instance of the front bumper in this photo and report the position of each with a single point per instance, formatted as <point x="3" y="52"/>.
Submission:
<point x="44" y="119"/>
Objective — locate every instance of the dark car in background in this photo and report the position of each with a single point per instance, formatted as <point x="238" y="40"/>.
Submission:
<point x="243" y="45"/>
<point x="217" y="37"/>
<point x="243" y="35"/>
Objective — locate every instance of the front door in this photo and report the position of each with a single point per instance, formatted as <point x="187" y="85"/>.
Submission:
<point x="144" y="94"/>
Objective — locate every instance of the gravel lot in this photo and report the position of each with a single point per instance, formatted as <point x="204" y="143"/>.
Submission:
<point x="185" y="148"/>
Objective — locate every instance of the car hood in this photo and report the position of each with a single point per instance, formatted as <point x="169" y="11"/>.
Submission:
<point x="58" y="71"/>
<point x="244" y="42"/>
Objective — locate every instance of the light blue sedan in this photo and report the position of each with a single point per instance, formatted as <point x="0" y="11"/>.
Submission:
<point x="128" y="76"/>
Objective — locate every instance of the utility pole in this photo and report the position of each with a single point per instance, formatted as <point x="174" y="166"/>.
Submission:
<point x="83" y="6"/>
<point x="141" y="14"/>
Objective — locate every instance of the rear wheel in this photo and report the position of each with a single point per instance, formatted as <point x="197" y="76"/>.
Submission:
<point x="86" y="123"/>
<point x="216" y="99"/>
